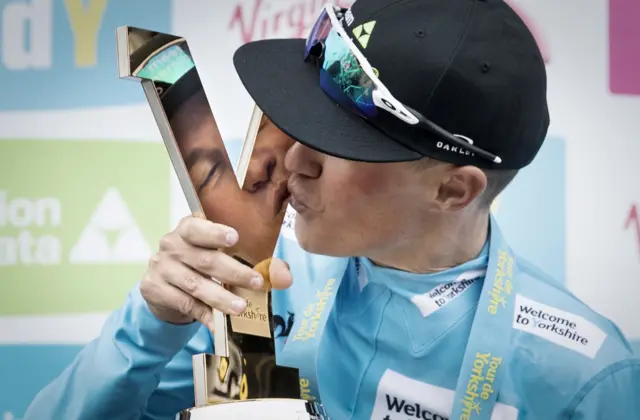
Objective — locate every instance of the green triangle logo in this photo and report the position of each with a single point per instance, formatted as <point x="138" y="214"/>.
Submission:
<point x="363" y="32"/>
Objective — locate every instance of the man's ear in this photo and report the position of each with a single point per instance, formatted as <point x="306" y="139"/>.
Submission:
<point x="460" y="186"/>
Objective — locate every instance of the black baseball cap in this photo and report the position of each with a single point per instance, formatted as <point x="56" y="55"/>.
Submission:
<point x="472" y="67"/>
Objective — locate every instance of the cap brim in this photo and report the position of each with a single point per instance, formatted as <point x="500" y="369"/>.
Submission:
<point x="287" y="90"/>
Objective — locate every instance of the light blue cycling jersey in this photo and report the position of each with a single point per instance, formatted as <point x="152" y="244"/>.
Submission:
<point x="381" y="344"/>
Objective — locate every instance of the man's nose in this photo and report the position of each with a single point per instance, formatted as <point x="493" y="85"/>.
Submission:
<point x="302" y="160"/>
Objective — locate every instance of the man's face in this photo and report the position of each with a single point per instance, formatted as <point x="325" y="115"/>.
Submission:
<point x="255" y="211"/>
<point x="348" y="208"/>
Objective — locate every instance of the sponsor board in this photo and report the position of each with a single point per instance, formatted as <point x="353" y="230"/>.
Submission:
<point x="441" y="295"/>
<point x="560" y="327"/>
<point x="78" y="222"/>
<point x="29" y="368"/>
<point x="260" y="19"/>
<point x="57" y="54"/>
<point x="399" y="397"/>
<point x="624" y="49"/>
<point x="62" y="329"/>
<point x="531" y="211"/>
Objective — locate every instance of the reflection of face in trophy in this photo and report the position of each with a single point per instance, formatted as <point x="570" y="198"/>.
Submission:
<point x="242" y="376"/>
<point x="257" y="209"/>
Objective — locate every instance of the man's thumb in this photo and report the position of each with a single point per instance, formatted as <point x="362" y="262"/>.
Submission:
<point x="280" y="274"/>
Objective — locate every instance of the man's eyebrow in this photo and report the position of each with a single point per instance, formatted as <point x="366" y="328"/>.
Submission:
<point x="215" y="156"/>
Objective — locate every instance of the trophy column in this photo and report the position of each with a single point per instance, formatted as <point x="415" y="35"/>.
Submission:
<point x="241" y="380"/>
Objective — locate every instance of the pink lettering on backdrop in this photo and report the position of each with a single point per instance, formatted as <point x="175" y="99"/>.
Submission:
<point x="624" y="47"/>
<point x="633" y="223"/>
<point x="262" y="19"/>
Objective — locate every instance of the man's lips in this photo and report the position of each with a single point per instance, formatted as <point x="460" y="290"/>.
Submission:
<point x="297" y="198"/>
<point x="297" y="205"/>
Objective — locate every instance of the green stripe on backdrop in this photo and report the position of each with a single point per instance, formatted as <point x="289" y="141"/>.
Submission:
<point x="78" y="222"/>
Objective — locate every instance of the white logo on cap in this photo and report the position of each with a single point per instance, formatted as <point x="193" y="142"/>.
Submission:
<point x="349" y="17"/>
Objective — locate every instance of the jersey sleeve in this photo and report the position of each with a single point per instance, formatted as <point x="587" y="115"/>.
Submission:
<point x="613" y="394"/>
<point x="135" y="357"/>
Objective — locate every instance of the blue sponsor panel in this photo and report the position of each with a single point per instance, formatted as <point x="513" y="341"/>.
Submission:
<point x="61" y="54"/>
<point x="25" y="370"/>
<point x="532" y="210"/>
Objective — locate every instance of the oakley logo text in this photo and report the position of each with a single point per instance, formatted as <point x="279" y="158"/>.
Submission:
<point x="454" y="149"/>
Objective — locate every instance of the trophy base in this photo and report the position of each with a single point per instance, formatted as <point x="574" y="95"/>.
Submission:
<point x="259" y="409"/>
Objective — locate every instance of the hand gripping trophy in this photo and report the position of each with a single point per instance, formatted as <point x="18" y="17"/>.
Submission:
<point x="241" y="380"/>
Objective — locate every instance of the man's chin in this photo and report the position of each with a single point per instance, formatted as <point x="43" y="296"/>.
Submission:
<point x="319" y="242"/>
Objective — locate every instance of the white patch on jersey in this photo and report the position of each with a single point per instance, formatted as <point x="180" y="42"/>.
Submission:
<point x="400" y="397"/>
<point x="560" y="327"/>
<point x="441" y="295"/>
<point x="289" y="224"/>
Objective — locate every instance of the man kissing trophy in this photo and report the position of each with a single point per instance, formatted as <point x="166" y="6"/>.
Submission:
<point x="241" y="380"/>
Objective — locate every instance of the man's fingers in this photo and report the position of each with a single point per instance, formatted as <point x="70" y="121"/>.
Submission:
<point x="206" y="234"/>
<point x="280" y="274"/>
<point x="202" y="288"/>
<point x="222" y="267"/>
<point x="171" y="297"/>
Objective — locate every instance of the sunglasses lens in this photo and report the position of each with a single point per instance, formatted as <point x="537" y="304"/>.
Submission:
<point x="343" y="78"/>
<point x="318" y="34"/>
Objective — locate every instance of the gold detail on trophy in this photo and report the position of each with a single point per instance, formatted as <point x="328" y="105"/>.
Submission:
<point x="255" y="319"/>
<point x="223" y="368"/>
<point x="244" y="388"/>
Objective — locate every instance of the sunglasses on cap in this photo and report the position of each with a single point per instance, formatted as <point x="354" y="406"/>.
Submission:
<point x="348" y="78"/>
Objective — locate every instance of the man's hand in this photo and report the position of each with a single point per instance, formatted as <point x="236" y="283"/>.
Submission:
<point x="178" y="285"/>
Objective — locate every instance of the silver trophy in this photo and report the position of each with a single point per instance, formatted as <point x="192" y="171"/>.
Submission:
<point x="241" y="380"/>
